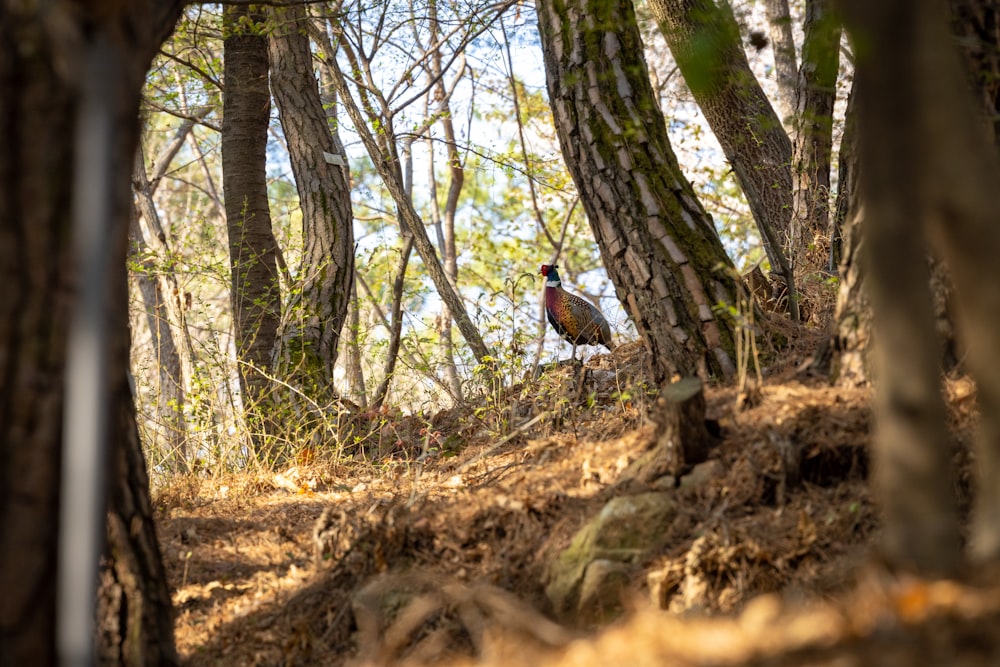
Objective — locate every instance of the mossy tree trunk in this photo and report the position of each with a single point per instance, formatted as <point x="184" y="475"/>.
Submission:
<point x="816" y="93"/>
<point x="314" y="324"/>
<point x="785" y="61"/>
<point x="705" y="41"/>
<point x="660" y="248"/>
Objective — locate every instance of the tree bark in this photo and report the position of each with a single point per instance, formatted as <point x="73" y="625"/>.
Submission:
<point x="170" y="388"/>
<point x="658" y="244"/>
<point x="34" y="247"/>
<point x="252" y="246"/>
<point x="929" y="181"/>
<point x="965" y="177"/>
<point x="456" y="179"/>
<point x="816" y="93"/>
<point x="164" y="303"/>
<point x="783" y="46"/>
<point x="325" y="197"/>
<point x="40" y="88"/>
<point x="705" y="41"/>
<point x="135" y="618"/>
<point x="976" y="25"/>
<point x="852" y="314"/>
<point x="912" y="464"/>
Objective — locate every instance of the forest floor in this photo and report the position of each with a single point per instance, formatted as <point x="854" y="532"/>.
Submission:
<point x="761" y="565"/>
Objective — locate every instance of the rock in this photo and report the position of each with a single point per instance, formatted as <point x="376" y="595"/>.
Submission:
<point x="665" y="483"/>
<point x="601" y="590"/>
<point x="624" y="531"/>
<point x="701" y="474"/>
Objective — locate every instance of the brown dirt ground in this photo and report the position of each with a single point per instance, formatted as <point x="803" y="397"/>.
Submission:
<point x="764" y="565"/>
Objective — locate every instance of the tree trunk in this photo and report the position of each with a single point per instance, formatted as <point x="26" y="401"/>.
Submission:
<point x="325" y="197"/>
<point x="852" y="314"/>
<point x="162" y="296"/>
<point x="658" y="244"/>
<point x="705" y="41"/>
<point x="913" y="468"/>
<point x="456" y="179"/>
<point x="170" y="388"/>
<point x="783" y="47"/>
<point x="444" y="226"/>
<point x="395" y="326"/>
<point x="928" y="176"/>
<point x="966" y="175"/>
<point x="34" y="247"/>
<point x="847" y="158"/>
<point x="395" y="322"/>
<point x="252" y="247"/>
<point x="40" y="86"/>
<point x="135" y="618"/>
<point x="355" y="372"/>
<point x="816" y="94"/>
<point x="976" y="25"/>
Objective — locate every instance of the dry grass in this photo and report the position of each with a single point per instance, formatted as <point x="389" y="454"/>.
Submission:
<point x="265" y="567"/>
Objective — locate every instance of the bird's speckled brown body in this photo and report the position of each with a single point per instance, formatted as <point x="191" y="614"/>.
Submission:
<point x="573" y="318"/>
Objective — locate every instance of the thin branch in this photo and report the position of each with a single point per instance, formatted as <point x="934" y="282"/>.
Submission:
<point x="194" y="68"/>
<point x="523" y="142"/>
<point x="182" y="115"/>
<point x="408" y="354"/>
<point x="499" y="9"/>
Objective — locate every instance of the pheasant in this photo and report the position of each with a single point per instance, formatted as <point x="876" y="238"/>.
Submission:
<point x="572" y="317"/>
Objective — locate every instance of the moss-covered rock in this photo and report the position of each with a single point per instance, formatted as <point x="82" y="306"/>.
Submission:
<point x="600" y="598"/>
<point x="623" y="532"/>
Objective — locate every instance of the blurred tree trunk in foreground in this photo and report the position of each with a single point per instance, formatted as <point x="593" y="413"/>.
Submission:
<point x="975" y="25"/>
<point x="42" y="48"/>
<point x="928" y="176"/>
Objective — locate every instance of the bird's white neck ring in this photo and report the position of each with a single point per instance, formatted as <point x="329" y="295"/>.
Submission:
<point x="553" y="283"/>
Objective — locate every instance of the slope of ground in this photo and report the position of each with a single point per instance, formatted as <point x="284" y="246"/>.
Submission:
<point x="304" y="567"/>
